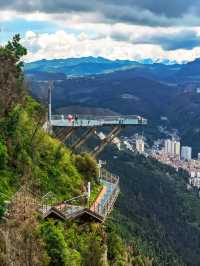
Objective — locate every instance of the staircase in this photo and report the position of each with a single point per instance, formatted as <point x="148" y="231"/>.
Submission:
<point x="98" y="211"/>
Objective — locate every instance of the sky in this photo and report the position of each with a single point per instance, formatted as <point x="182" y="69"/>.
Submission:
<point x="161" y="30"/>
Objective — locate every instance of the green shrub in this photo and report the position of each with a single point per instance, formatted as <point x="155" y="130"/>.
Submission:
<point x="87" y="167"/>
<point x="3" y="154"/>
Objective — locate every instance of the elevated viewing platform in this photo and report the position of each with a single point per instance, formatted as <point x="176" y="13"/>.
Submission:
<point x="64" y="127"/>
<point x="75" y="130"/>
<point x="96" y="121"/>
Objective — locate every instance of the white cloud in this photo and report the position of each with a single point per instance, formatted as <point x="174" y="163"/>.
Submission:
<point x="65" y="45"/>
<point x="87" y="36"/>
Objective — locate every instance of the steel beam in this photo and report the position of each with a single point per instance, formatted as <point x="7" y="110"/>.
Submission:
<point x="64" y="133"/>
<point x="83" y="138"/>
<point x="68" y="134"/>
<point x="114" y="132"/>
<point x="57" y="131"/>
<point x="61" y="132"/>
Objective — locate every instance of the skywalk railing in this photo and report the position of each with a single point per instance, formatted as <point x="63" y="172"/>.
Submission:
<point x="107" y="176"/>
<point x="97" y="117"/>
<point x="101" y="207"/>
<point x="101" y="120"/>
<point x="104" y="209"/>
<point x="105" y="205"/>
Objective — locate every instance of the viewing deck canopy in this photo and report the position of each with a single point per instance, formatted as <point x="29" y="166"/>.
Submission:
<point x="96" y="121"/>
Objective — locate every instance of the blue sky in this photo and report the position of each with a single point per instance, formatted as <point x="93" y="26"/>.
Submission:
<point x="135" y="30"/>
<point x="21" y="26"/>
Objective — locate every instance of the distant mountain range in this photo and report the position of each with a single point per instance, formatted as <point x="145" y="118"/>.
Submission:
<point x="87" y="66"/>
<point x="98" y="85"/>
<point x="79" y="66"/>
<point x="76" y="67"/>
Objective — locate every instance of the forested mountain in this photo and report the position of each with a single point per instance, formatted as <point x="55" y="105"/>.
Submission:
<point x="156" y="222"/>
<point x="32" y="164"/>
<point x="155" y="209"/>
<point x="132" y="92"/>
<point x="153" y="90"/>
<point x="86" y="66"/>
<point x="78" y="66"/>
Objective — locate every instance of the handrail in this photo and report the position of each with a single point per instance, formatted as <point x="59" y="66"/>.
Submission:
<point x="97" y="117"/>
<point x="102" y="120"/>
<point x="104" y="209"/>
<point x="107" y="176"/>
<point x="101" y="208"/>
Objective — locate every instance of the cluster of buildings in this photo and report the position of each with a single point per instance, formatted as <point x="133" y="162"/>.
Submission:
<point x="135" y="143"/>
<point x="179" y="157"/>
<point x="168" y="151"/>
<point x="173" y="148"/>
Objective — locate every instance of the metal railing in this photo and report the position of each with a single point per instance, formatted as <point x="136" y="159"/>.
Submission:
<point x="97" y="117"/>
<point x="119" y="119"/>
<point x="103" y="208"/>
<point x="107" y="176"/>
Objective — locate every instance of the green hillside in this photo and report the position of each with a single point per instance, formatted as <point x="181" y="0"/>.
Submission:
<point x="156" y="209"/>
<point x="156" y="222"/>
<point x="31" y="157"/>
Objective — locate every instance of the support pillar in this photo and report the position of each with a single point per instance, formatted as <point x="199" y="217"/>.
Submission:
<point x="61" y="132"/>
<point x="83" y="138"/>
<point x="50" y="85"/>
<point x="68" y="134"/>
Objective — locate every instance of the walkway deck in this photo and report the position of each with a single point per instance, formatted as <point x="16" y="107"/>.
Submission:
<point x="104" y="202"/>
<point x="97" y="121"/>
<point x="98" y="211"/>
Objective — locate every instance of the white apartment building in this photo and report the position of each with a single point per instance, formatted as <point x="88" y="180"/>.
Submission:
<point x="186" y="153"/>
<point x="168" y="146"/>
<point x="140" y="145"/>
<point x="172" y="147"/>
<point x="177" y="148"/>
<point x="195" y="182"/>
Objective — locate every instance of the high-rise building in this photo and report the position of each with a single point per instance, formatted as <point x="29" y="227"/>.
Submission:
<point x="186" y="153"/>
<point x="140" y="145"/>
<point x="198" y="156"/>
<point x="177" y="148"/>
<point x="172" y="147"/>
<point x="168" y="146"/>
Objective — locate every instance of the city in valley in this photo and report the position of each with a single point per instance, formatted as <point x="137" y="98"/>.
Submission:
<point x="169" y="151"/>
